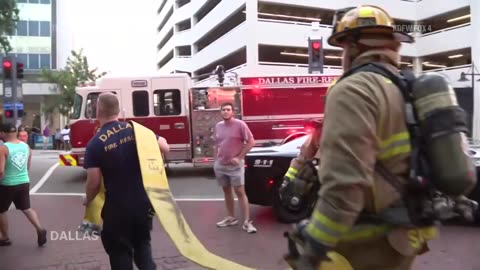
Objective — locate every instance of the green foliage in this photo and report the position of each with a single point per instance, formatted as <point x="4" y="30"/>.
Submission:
<point x="66" y="80"/>
<point x="8" y="22"/>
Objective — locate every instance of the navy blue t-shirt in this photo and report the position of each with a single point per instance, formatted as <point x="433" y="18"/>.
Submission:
<point x="113" y="150"/>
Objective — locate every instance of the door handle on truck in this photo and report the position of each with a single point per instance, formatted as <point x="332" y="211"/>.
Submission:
<point x="179" y="125"/>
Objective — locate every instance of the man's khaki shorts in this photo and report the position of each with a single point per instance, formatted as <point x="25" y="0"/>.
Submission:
<point x="228" y="175"/>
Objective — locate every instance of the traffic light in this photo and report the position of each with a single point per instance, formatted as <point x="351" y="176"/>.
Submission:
<point x="315" y="55"/>
<point x="19" y="70"/>
<point x="8" y="113"/>
<point x="7" y="68"/>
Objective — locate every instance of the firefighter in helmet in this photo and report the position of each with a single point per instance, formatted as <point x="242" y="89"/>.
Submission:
<point x="364" y="124"/>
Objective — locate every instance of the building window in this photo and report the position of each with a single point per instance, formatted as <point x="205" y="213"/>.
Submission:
<point x="33" y="61"/>
<point x="23" y="57"/>
<point x="22" y="1"/>
<point x="44" y="29"/>
<point x="45" y="61"/>
<point x="167" y="102"/>
<point x="33" y="28"/>
<point x="22" y="29"/>
<point x="34" y="1"/>
<point x="140" y="103"/>
<point x="44" y="1"/>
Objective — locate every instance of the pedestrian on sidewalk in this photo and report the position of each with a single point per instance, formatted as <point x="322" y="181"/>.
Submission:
<point x="127" y="211"/>
<point x="233" y="140"/>
<point x="15" y="159"/>
<point x="57" y="140"/>
<point x="46" y="137"/>
<point x="23" y="134"/>
<point x="66" y="137"/>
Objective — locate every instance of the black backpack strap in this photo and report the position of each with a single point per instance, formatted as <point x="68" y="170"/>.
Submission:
<point x="404" y="81"/>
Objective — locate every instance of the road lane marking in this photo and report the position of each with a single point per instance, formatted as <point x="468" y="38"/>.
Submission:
<point x="44" y="178"/>
<point x="58" y="194"/>
<point x="176" y="199"/>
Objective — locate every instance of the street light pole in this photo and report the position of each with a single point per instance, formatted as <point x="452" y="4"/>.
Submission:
<point x="463" y="78"/>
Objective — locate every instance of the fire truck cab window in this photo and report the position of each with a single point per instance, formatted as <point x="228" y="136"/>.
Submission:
<point x="92" y="98"/>
<point x="77" y="107"/>
<point x="167" y="102"/>
<point x="140" y="103"/>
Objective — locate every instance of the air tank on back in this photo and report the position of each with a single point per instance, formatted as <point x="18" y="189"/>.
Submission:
<point x="444" y="126"/>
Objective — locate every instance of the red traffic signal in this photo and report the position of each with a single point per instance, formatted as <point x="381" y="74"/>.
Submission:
<point x="315" y="55"/>
<point x="7" y="64"/>
<point x="7" y="69"/>
<point x="8" y="113"/>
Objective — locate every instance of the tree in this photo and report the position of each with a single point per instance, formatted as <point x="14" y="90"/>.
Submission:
<point x="8" y="22"/>
<point x="66" y="80"/>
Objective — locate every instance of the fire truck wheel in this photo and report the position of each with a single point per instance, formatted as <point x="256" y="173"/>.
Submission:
<point x="286" y="214"/>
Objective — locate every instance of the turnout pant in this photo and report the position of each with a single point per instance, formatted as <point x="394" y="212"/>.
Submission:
<point x="374" y="254"/>
<point x="126" y="239"/>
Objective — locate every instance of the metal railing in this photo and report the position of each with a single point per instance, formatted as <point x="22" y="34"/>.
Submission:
<point x="445" y="29"/>
<point x="447" y="68"/>
<point x="293" y="22"/>
<point x="283" y="64"/>
<point x="213" y="77"/>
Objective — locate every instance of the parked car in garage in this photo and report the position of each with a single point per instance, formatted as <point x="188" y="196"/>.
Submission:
<point x="266" y="166"/>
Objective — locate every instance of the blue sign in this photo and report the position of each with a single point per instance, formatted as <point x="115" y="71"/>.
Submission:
<point x="9" y="106"/>
<point x="39" y="142"/>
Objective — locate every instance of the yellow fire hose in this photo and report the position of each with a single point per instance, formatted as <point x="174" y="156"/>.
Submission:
<point x="156" y="185"/>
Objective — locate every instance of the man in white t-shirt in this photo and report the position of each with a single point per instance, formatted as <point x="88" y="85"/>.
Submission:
<point x="66" y="137"/>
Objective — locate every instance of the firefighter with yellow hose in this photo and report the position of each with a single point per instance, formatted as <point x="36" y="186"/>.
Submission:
<point x="363" y="218"/>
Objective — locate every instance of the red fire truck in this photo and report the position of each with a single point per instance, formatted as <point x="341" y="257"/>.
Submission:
<point x="274" y="107"/>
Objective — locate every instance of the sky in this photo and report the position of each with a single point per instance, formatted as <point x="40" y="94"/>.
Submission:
<point x="117" y="36"/>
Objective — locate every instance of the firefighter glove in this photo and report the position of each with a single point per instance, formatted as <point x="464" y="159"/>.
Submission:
<point x="310" y="255"/>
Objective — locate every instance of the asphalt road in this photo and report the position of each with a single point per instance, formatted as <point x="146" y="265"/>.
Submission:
<point x="185" y="181"/>
<point x="56" y="199"/>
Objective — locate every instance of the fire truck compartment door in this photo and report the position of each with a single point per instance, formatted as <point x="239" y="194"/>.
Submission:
<point x="206" y="102"/>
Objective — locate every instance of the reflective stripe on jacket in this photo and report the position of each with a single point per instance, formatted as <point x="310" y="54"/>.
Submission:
<point x="364" y="123"/>
<point x="307" y="152"/>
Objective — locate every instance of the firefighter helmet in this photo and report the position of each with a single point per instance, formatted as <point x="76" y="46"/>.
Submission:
<point x="364" y="20"/>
